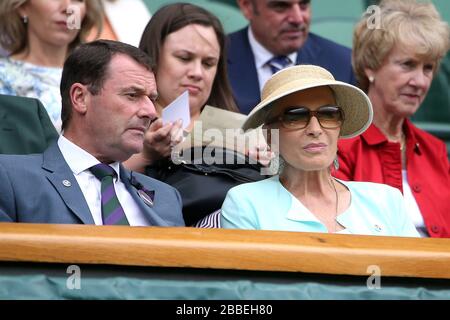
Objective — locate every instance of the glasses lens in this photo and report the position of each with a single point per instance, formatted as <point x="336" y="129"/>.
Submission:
<point x="330" y="116"/>
<point x="295" y="118"/>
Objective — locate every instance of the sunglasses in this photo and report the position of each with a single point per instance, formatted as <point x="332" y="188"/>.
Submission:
<point x="329" y="117"/>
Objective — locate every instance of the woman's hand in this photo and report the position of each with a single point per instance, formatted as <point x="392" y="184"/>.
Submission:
<point x="262" y="154"/>
<point x="159" y="141"/>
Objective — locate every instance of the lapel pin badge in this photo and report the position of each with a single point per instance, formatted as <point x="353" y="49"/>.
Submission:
<point x="145" y="197"/>
<point x="66" y="183"/>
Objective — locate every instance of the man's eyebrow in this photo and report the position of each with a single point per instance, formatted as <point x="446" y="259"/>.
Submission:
<point x="288" y="2"/>
<point x="133" y="88"/>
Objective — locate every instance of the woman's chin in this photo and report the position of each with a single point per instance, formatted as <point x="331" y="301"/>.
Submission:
<point x="316" y="165"/>
<point x="196" y="103"/>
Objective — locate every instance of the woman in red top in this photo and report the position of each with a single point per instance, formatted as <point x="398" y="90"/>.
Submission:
<point x="395" y="63"/>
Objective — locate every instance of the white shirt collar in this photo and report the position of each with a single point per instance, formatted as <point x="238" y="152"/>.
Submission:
<point x="78" y="159"/>
<point x="262" y="55"/>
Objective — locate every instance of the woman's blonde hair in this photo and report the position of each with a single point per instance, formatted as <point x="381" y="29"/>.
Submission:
<point x="13" y="31"/>
<point x="410" y="24"/>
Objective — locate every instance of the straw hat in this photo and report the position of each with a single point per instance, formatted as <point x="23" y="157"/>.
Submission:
<point x="353" y="101"/>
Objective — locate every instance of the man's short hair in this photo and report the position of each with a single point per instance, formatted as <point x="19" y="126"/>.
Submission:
<point x="88" y="65"/>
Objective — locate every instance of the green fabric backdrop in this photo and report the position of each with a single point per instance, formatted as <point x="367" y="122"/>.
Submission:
<point x="48" y="281"/>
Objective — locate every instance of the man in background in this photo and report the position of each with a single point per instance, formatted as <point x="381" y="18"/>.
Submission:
<point x="277" y="37"/>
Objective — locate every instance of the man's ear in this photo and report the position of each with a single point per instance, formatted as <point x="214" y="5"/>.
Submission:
<point x="247" y="8"/>
<point x="79" y="96"/>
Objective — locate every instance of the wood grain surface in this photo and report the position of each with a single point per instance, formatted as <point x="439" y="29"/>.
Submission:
<point x="225" y="249"/>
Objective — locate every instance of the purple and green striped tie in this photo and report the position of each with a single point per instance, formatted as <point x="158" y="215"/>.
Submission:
<point x="112" y="211"/>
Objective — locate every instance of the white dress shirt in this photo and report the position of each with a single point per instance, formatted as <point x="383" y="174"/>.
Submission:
<point x="262" y="57"/>
<point x="412" y="208"/>
<point x="79" y="162"/>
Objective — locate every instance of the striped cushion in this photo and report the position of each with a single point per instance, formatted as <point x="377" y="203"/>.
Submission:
<point x="211" y="221"/>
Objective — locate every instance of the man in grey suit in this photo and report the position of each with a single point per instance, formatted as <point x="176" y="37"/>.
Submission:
<point x="107" y="89"/>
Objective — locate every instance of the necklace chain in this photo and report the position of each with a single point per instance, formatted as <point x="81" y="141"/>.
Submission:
<point x="402" y="142"/>
<point x="337" y="205"/>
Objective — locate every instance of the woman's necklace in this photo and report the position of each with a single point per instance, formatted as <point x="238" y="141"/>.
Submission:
<point x="403" y="149"/>
<point x="337" y="206"/>
<point x="402" y="142"/>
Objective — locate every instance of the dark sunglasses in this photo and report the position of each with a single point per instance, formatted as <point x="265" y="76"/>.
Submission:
<point x="329" y="117"/>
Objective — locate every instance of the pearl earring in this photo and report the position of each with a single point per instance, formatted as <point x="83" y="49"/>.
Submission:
<point x="25" y="19"/>
<point x="371" y="79"/>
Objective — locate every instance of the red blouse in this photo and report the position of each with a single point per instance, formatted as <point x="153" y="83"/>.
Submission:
<point x="371" y="157"/>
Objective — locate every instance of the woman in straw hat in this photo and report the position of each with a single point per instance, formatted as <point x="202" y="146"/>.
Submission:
<point x="395" y="65"/>
<point x="310" y="110"/>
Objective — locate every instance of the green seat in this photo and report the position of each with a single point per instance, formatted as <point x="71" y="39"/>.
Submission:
<point x="436" y="107"/>
<point x="228" y="13"/>
<point x="25" y="126"/>
<point x="336" y="22"/>
<point x="434" y="114"/>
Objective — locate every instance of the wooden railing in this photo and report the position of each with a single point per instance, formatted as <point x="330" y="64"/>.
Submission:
<point x="225" y="249"/>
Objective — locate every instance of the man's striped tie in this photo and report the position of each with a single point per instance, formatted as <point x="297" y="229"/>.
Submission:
<point x="279" y="62"/>
<point x="112" y="211"/>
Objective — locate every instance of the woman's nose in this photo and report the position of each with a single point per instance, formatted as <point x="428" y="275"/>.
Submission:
<point x="65" y="4"/>
<point x="196" y="70"/>
<point x="420" y="79"/>
<point x="313" y="128"/>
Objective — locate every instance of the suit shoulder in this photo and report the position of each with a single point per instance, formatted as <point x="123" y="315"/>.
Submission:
<point x="20" y="161"/>
<point x="236" y="42"/>
<point x="329" y="44"/>
<point x="18" y="100"/>
<point x="236" y="34"/>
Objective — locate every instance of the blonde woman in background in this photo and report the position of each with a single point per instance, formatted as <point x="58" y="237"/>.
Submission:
<point x="39" y="35"/>
<point x="395" y="65"/>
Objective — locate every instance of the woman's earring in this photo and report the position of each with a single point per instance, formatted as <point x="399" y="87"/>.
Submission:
<point x="336" y="163"/>
<point x="25" y="19"/>
<point x="371" y="79"/>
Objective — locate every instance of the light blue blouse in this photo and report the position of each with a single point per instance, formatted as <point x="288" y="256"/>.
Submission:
<point x="24" y="79"/>
<point x="375" y="209"/>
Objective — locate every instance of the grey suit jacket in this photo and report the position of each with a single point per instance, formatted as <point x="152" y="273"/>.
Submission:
<point x="34" y="189"/>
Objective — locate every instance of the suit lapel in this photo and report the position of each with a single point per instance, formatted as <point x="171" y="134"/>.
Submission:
<point x="61" y="177"/>
<point x="310" y="52"/>
<point x="242" y="71"/>
<point x="134" y="183"/>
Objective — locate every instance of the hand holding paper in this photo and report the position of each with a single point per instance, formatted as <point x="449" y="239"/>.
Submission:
<point x="178" y="109"/>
